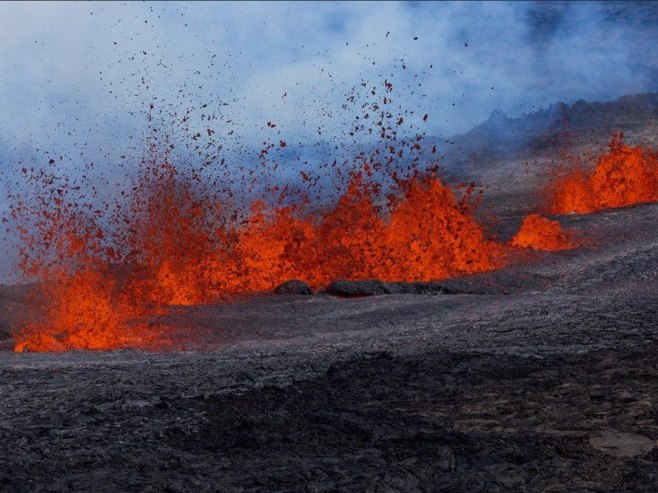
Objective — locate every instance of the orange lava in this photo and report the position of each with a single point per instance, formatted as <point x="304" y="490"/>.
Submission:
<point x="425" y="234"/>
<point x="623" y="176"/>
<point x="172" y="243"/>
<point x="84" y="311"/>
<point x="540" y="233"/>
<point x="81" y="295"/>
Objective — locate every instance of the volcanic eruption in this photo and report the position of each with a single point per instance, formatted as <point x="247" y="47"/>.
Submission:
<point x="104" y="274"/>
<point x="171" y="242"/>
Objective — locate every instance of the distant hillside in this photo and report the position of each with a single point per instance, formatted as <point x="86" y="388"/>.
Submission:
<point x="503" y="137"/>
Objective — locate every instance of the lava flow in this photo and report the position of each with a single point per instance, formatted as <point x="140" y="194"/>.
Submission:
<point x="173" y="243"/>
<point x="623" y="176"/>
<point x="540" y="233"/>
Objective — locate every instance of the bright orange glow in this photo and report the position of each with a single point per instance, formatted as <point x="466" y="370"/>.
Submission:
<point x="84" y="311"/>
<point x="623" y="176"/>
<point x="174" y="245"/>
<point x="427" y="234"/>
<point x="539" y="233"/>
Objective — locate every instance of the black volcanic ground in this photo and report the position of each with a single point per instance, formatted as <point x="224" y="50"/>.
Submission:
<point x="540" y="377"/>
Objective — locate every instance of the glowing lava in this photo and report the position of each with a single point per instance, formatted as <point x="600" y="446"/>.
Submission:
<point x="84" y="311"/>
<point x="173" y="244"/>
<point x="623" y="176"/>
<point x="425" y="234"/>
<point x="540" y="233"/>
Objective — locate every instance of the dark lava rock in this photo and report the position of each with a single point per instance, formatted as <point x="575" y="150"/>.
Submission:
<point x="372" y="287"/>
<point x="424" y="422"/>
<point x="422" y="288"/>
<point x="293" y="287"/>
<point x="367" y="287"/>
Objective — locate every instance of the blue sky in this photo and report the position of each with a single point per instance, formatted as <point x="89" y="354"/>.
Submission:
<point x="77" y="79"/>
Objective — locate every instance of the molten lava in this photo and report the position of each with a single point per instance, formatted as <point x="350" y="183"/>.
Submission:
<point x="623" y="176"/>
<point x="539" y="233"/>
<point x="84" y="311"/>
<point x="425" y="234"/>
<point x="173" y="243"/>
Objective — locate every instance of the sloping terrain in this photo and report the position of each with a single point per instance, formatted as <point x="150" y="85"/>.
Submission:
<point x="546" y="131"/>
<point x="515" y="178"/>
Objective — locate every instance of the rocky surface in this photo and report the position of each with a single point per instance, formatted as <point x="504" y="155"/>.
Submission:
<point x="426" y="421"/>
<point x="293" y="287"/>
<point x="373" y="287"/>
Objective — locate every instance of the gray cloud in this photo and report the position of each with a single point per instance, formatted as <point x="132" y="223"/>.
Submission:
<point x="62" y="70"/>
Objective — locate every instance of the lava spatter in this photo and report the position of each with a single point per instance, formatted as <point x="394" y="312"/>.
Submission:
<point x="173" y="243"/>
<point x="539" y="233"/>
<point x="623" y="176"/>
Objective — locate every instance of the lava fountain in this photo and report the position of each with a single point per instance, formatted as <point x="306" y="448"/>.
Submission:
<point x="104" y="276"/>
<point x="625" y="175"/>
<point x="539" y="233"/>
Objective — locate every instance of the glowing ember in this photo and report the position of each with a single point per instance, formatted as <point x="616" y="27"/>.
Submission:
<point x="539" y="233"/>
<point x="173" y="244"/>
<point x="624" y="176"/>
